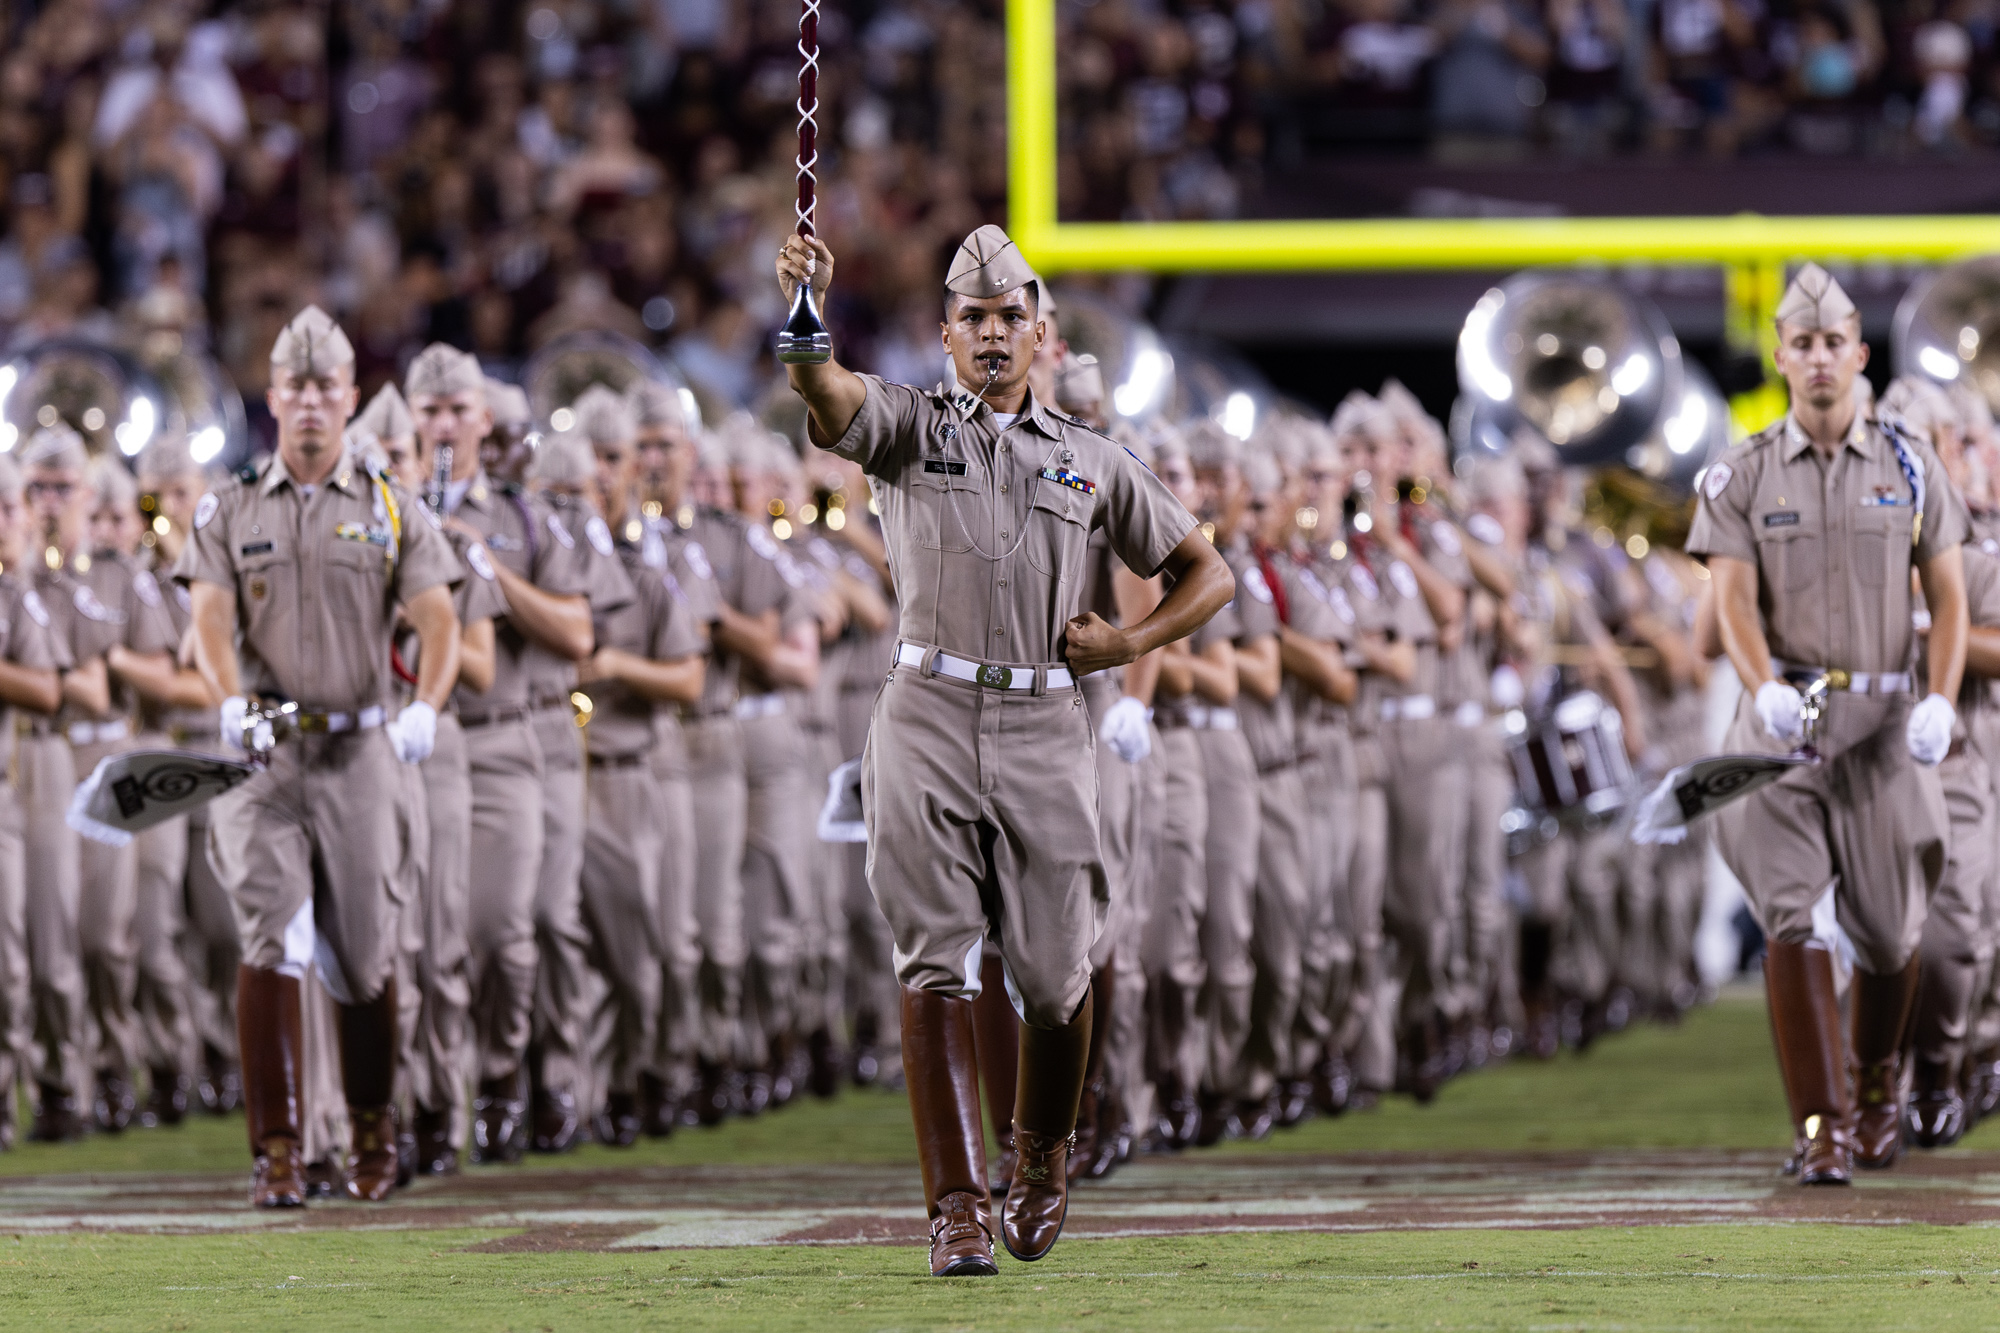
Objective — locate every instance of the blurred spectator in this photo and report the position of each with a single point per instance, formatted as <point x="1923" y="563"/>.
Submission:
<point x="1488" y="83"/>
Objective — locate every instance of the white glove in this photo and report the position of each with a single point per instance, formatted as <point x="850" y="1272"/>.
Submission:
<point x="1929" y="732"/>
<point x="231" y="723"/>
<point x="413" y="735"/>
<point x="1124" y="729"/>
<point x="1778" y="707"/>
<point x="1506" y="687"/>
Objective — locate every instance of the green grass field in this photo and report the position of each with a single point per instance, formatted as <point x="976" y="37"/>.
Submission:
<point x="1706" y="1085"/>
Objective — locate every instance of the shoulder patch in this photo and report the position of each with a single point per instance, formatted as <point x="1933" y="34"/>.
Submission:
<point x="88" y="605"/>
<point x="31" y="601"/>
<point x="205" y="509"/>
<point x="599" y="533"/>
<point x="761" y="541"/>
<point x="561" y="534"/>
<point x="1404" y="578"/>
<point x="1254" y="582"/>
<point x="1310" y="581"/>
<point x="482" y="563"/>
<point x="1364" y="581"/>
<point x="1716" y="479"/>
<point x="146" y="586"/>
<point x="1486" y="529"/>
<point x="1446" y="537"/>
<point x="1337" y="599"/>
<point x="790" y="570"/>
<point x="697" y="560"/>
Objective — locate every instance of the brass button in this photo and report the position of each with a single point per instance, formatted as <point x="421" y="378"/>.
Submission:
<point x="999" y="633"/>
<point x="1003" y="490"/>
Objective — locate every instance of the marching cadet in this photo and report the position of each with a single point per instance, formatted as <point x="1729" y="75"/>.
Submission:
<point x="508" y="446"/>
<point x="183" y="907"/>
<point x="163" y="990"/>
<point x="758" y="641"/>
<point x="548" y="615"/>
<point x="654" y="496"/>
<point x="71" y="993"/>
<point x="1197" y="676"/>
<point x="387" y="417"/>
<point x="435" y="1011"/>
<point x="1230" y="766"/>
<point x="31" y="658"/>
<point x="559" y="1065"/>
<point x="308" y="559"/>
<point x="978" y="778"/>
<point x="1811" y="530"/>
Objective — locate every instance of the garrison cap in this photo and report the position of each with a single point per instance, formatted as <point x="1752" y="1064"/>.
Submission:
<point x="987" y="264"/>
<point x="565" y="459"/>
<point x="603" y="417"/>
<point x="1815" y="301"/>
<point x="508" y="403"/>
<point x="1210" y="446"/>
<point x="1261" y="472"/>
<point x="311" y="344"/>
<point x="111" y="482"/>
<point x="443" y="370"/>
<point x="1920" y="404"/>
<point x="656" y="404"/>
<point x="1080" y="383"/>
<point x="167" y="456"/>
<point x="56" y="447"/>
<point x="1361" y="414"/>
<point x="388" y="416"/>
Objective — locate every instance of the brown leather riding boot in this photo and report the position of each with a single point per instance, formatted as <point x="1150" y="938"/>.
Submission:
<point x="997" y="1033"/>
<point x="1882" y="1007"/>
<point x="368" y="1071"/>
<point x="1805" y="1019"/>
<point x="270" y="1029"/>
<point x="1096" y="1091"/>
<point x="941" y="1070"/>
<point x="1053" y="1061"/>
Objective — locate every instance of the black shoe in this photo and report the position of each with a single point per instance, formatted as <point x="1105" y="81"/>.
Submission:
<point x="1253" y="1119"/>
<point x="115" y="1102"/>
<point x="56" y="1119"/>
<point x="220" y="1085"/>
<point x="1294" y="1102"/>
<point x="756" y="1094"/>
<point x="1215" y="1118"/>
<point x="1935" y="1119"/>
<point x="406" y="1156"/>
<point x="712" y="1102"/>
<point x="499" y="1116"/>
<point x="557" y="1124"/>
<point x="325" y="1178"/>
<point x="618" y="1123"/>
<point x="1332" y="1084"/>
<point x="167" y="1102"/>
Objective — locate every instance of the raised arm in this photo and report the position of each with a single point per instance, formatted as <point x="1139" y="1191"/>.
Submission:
<point x="833" y="393"/>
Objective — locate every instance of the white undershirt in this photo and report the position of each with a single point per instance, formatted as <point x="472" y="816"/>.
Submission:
<point x="454" y="494"/>
<point x="1006" y="420"/>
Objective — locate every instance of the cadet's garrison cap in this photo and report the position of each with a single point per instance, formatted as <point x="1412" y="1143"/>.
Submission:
<point x="1210" y="446"/>
<point x="656" y="404"/>
<point x="1920" y="404"/>
<point x="111" y="482"/>
<point x="1815" y="301"/>
<point x="442" y="370"/>
<point x="388" y="416"/>
<point x="565" y="459"/>
<point x="1080" y="383"/>
<point x="166" y="457"/>
<point x="603" y="417"/>
<point x="56" y="447"/>
<point x="987" y="264"/>
<point x="311" y="344"/>
<point x="1361" y="414"/>
<point x="508" y="403"/>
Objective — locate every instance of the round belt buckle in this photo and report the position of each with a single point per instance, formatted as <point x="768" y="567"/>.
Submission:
<point x="995" y="677"/>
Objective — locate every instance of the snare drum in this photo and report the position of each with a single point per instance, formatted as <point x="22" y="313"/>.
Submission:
<point x="1570" y="763"/>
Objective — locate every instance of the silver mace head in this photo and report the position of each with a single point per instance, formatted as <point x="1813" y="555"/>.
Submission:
<point x="804" y="341"/>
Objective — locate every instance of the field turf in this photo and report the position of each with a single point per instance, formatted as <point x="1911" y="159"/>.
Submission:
<point x="1699" y="1105"/>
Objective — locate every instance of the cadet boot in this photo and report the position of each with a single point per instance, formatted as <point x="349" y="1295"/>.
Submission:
<point x="115" y="1101"/>
<point x="997" y="1034"/>
<point x="436" y="1154"/>
<point x="1805" y="1021"/>
<point x="712" y="1102"/>
<point x="499" y="1121"/>
<point x="1217" y="1114"/>
<point x="1332" y="1082"/>
<point x="657" y="1110"/>
<point x="56" y="1118"/>
<point x="368" y="1072"/>
<point x="1936" y="1116"/>
<point x="1049" y="1086"/>
<point x="618" y="1123"/>
<point x="557" y="1123"/>
<point x="167" y="1101"/>
<point x="1882" y="1008"/>
<point x="941" y="1069"/>
<point x="374" y="1169"/>
<point x="270" y="1030"/>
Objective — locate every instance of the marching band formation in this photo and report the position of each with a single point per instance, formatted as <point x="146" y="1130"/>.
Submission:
<point x="538" y="857"/>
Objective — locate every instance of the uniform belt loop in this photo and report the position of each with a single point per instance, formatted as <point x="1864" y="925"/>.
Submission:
<point x="1041" y="685"/>
<point x="929" y="667"/>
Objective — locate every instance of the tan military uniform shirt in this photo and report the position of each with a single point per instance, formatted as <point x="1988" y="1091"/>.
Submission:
<point x="606" y="586"/>
<point x="742" y="560"/>
<point x="27" y="639"/>
<point x="95" y="605"/>
<point x="1326" y="613"/>
<point x="657" y="624"/>
<point x="1830" y="540"/>
<point x="1394" y="603"/>
<point x="317" y="578"/>
<point x="516" y="530"/>
<point x="1171" y="710"/>
<point x="987" y="527"/>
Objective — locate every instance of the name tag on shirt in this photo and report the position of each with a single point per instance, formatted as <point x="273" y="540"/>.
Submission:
<point x="255" y="548"/>
<point x="947" y="468"/>
<point x="1062" y="476"/>
<point x="1784" y="518"/>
